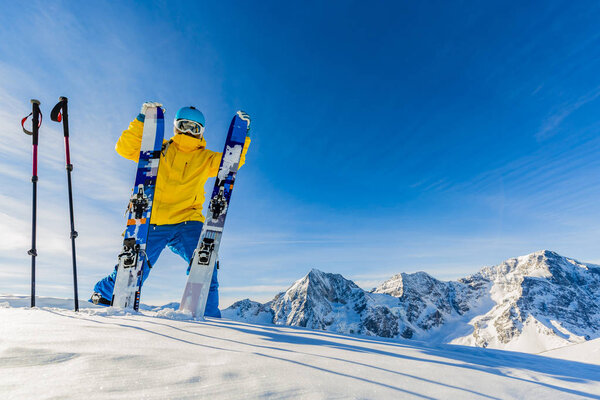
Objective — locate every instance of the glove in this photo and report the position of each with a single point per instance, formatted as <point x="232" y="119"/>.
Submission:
<point x="150" y="104"/>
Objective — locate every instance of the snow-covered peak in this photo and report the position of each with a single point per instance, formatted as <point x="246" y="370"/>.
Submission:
<point x="393" y="286"/>
<point x="420" y="282"/>
<point x="319" y="285"/>
<point x="313" y="300"/>
<point x="540" y="264"/>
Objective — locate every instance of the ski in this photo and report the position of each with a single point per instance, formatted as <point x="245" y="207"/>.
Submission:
<point x="205" y="256"/>
<point x="126" y="293"/>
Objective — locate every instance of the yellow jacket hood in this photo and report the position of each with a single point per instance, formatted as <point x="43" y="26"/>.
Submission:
<point x="187" y="143"/>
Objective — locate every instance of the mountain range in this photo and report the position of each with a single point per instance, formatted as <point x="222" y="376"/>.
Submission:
<point x="531" y="303"/>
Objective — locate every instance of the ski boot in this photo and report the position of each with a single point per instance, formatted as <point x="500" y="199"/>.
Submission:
<point x="98" y="300"/>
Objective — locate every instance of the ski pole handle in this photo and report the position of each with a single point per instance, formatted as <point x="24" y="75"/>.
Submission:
<point x="60" y="114"/>
<point x="37" y="120"/>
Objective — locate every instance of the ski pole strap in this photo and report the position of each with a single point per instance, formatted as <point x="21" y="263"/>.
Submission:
<point x="37" y="118"/>
<point x="23" y="124"/>
<point x="25" y="119"/>
<point x="56" y="113"/>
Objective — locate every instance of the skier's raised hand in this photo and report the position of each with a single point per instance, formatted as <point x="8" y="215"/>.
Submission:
<point x="148" y="104"/>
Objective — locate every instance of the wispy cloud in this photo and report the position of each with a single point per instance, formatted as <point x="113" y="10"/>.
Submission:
<point x="552" y="122"/>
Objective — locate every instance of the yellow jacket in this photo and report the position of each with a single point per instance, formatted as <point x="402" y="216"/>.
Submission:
<point x="184" y="168"/>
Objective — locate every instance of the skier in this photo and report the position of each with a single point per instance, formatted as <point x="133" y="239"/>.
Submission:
<point x="177" y="220"/>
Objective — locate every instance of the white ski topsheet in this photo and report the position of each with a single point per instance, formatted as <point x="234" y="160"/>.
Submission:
<point x="231" y="157"/>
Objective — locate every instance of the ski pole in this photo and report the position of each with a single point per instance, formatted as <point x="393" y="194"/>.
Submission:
<point x="36" y="123"/>
<point x="59" y="113"/>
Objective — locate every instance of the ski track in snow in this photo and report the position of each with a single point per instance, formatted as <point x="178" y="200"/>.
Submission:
<point x="52" y="352"/>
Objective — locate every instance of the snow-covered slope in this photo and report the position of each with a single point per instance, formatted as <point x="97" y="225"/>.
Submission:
<point x="587" y="352"/>
<point x="532" y="303"/>
<point x="55" y="353"/>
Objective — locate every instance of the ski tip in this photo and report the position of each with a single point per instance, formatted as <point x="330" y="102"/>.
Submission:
<point x="244" y="116"/>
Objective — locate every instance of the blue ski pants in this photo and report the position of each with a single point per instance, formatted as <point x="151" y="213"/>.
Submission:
<point x="182" y="239"/>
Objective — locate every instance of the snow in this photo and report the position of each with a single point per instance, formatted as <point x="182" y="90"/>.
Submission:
<point x="51" y="352"/>
<point x="588" y="352"/>
<point x="535" y="337"/>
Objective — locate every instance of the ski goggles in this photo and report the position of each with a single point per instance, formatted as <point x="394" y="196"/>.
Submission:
<point x="187" y="126"/>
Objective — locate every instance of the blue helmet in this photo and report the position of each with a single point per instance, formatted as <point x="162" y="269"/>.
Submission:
<point x="191" y="114"/>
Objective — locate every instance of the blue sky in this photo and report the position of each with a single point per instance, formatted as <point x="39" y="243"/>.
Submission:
<point x="387" y="137"/>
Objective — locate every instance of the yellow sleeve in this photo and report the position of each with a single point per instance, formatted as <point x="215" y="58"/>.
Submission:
<point x="215" y="161"/>
<point x="129" y="143"/>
